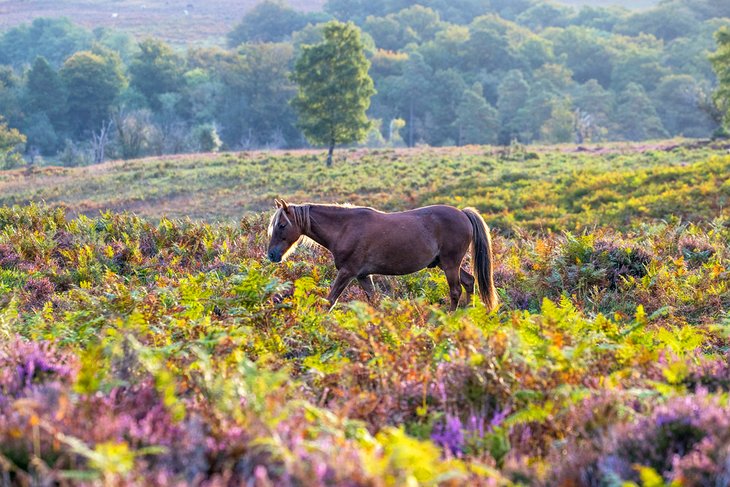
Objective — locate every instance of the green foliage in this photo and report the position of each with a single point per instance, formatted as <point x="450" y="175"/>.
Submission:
<point x="721" y="63"/>
<point x="334" y="88"/>
<point x="476" y="119"/>
<point x="54" y="39"/>
<point x="178" y="337"/>
<point x="10" y="141"/>
<point x="93" y="81"/>
<point x="206" y="138"/>
<point x="258" y="77"/>
<point x="271" y="21"/>
<point x="639" y="119"/>
<point x="554" y="73"/>
<point x="45" y="91"/>
<point x="155" y="69"/>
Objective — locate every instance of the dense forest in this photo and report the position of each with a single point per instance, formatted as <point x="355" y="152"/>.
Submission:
<point x="445" y="72"/>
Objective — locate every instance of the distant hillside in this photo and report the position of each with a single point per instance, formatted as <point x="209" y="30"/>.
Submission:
<point x="176" y="21"/>
<point x="630" y="4"/>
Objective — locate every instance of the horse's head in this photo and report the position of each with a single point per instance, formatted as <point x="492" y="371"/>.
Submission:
<point x="285" y="231"/>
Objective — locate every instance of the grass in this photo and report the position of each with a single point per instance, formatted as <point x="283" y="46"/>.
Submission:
<point x="544" y="189"/>
<point x="198" y="360"/>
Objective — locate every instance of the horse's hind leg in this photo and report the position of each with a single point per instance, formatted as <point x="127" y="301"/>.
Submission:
<point x="366" y="282"/>
<point x="467" y="280"/>
<point x="452" y="277"/>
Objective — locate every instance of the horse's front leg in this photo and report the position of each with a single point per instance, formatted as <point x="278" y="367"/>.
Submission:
<point x="344" y="276"/>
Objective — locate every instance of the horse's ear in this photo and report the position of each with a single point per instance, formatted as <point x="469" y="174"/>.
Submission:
<point x="280" y="203"/>
<point x="284" y="205"/>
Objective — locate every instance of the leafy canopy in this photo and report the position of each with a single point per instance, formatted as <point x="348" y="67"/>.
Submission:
<point x="334" y="87"/>
<point x="721" y="62"/>
<point x="93" y="82"/>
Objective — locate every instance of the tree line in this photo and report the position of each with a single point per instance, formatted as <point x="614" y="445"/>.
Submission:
<point x="444" y="73"/>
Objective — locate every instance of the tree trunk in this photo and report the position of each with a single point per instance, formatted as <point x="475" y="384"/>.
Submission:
<point x="329" y="154"/>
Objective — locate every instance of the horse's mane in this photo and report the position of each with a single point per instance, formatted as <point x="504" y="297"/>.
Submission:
<point x="302" y="219"/>
<point x="300" y="215"/>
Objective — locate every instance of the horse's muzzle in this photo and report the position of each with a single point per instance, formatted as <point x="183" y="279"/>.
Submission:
<point x="274" y="256"/>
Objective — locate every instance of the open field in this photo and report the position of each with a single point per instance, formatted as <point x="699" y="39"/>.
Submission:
<point x="532" y="188"/>
<point x="196" y="360"/>
<point x="180" y="22"/>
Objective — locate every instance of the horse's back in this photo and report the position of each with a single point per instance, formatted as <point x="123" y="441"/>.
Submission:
<point x="443" y="218"/>
<point x="442" y="226"/>
<point x="402" y="242"/>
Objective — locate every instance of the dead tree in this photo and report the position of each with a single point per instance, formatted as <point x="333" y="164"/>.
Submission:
<point x="99" y="141"/>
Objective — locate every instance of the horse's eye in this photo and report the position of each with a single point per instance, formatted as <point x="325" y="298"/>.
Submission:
<point x="282" y="225"/>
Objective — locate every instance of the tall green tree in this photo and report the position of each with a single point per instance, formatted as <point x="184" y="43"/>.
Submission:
<point x="93" y="81"/>
<point x="45" y="91"/>
<point x="334" y="88"/>
<point x="257" y="90"/>
<point x="156" y="69"/>
<point x="636" y="117"/>
<point x="477" y="121"/>
<point x="512" y="94"/>
<point x="679" y="102"/>
<point x="721" y="63"/>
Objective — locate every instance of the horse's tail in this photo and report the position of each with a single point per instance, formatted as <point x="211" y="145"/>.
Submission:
<point x="482" y="261"/>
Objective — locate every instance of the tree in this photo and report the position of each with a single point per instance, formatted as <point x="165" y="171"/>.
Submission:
<point x="334" y="88"/>
<point x="10" y="140"/>
<point x="45" y="90"/>
<point x="41" y="134"/>
<point x="721" y="63"/>
<point x="410" y="92"/>
<point x="543" y="15"/>
<point x="271" y="21"/>
<point x="11" y="96"/>
<point x="54" y="39"/>
<point x="133" y="131"/>
<point x="678" y="100"/>
<point x="45" y="102"/>
<point x="588" y="54"/>
<point x="446" y="92"/>
<point x="156" y="69"/>
<point x="93" y="81"/>
<point x="561" y="126"/>
<point x="666" y="22"/>
<point x="512" y="93"/>
<point x="636" y="116"/>
<point x="594" y="105"/>
<point x="257" y="92"/>
<point x="477" y="121"/>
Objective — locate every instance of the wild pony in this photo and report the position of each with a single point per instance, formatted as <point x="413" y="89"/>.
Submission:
<point x="365" y="241"/>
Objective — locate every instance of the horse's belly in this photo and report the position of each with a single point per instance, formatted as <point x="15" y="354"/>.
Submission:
<point x="404" y="260"/>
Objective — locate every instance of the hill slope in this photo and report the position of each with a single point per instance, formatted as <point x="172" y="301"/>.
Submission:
<point x="179" y="22"/>
<point x="550" y="187"/>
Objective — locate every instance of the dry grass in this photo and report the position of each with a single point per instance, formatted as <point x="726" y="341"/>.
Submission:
<point x="181" y="22"/>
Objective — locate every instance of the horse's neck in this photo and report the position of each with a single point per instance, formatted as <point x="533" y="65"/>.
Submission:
<point x="325" y="224"/>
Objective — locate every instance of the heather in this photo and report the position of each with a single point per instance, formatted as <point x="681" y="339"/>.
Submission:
<point x="137" y="350"/>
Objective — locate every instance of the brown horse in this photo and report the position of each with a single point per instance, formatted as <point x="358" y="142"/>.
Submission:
<point x="364" y="241"/>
